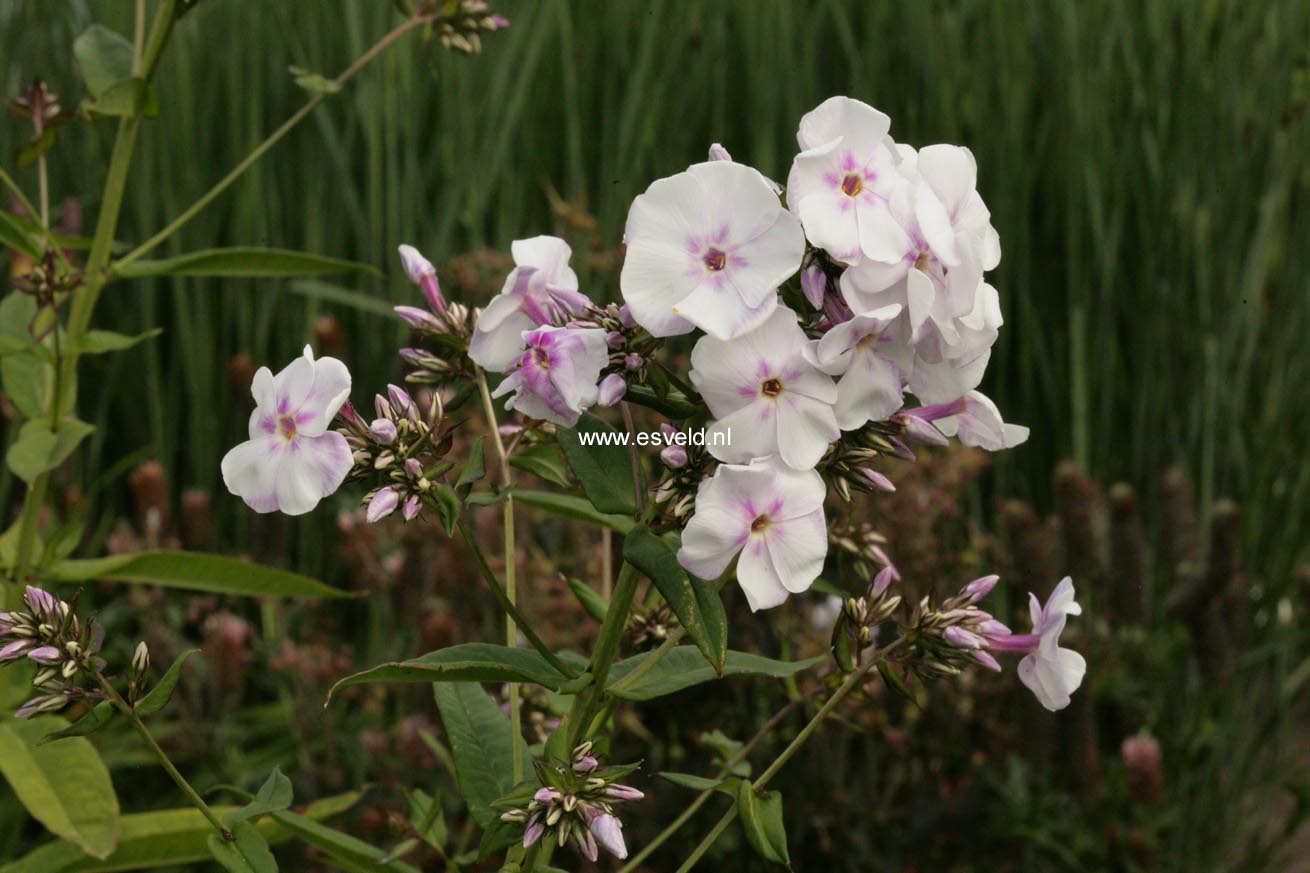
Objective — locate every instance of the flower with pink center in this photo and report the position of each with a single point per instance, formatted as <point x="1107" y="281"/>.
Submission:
<point x="769" y="515"/>
<point x="864" y="352"/>
<point x="846" y="169"/>
<point x="555" y="379"/>
<point x="707" y="249"/>
<point x="541" y="289"/>
<point x="975" y="419"/>
<point x="929" y="244"/>
<point x="292" y="461"/>
<point x="1050" y="672"/>
<point x="767" y="398"/>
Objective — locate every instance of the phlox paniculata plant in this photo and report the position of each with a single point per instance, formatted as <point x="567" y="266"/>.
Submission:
<point x="833" y="326"/>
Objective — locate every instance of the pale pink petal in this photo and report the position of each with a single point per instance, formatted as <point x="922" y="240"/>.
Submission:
<point x="250" y="471"/>
<point x="310" y="470"/>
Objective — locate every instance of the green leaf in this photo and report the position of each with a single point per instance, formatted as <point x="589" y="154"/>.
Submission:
<point x="591" y="599"/>
<point x="129" y="97"/>
<point x="674" y="404"/>
<point x="14" y="235"/>
<point x="695" y="602"/>
<point x="273" y="796"/>
<point x="38" y="449"/>
<point x="467" y="662"/>
<point x="605" y="471"/>
<point x="64" y="785"/>
<point x="96" y="342"/>
<point x="542" y="460"/>
<point x="474" y="469"/>
<point x="31" y="150"/>
<point x="244" y="262"/>
<point x="688" y="780"/>
<point x="103" y="57"/>
<point x="157" y="698"/>
<point x="194" y="571"/>
<point x="761" y="819"/>
<point x="348" y="853"/>
<point x="684" y="666"/>
<point x="314" y="82"/>
<point x="573" y="507"/>
<point x="162" y="838"/>
<point x="427" y="818"/>
<point x="248" y="852"/>
<point x="482" y="741"/>
<point x="97" y="717"/>
<point x="448" y="506"/>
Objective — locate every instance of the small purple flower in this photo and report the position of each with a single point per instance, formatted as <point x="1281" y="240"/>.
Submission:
<point x="401" y="402"/>
<point x="555" y="379"/>
<point x="383" y="430"/>
<point x="382" y="504"/>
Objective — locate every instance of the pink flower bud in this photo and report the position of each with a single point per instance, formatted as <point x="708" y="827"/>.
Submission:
<point x="814" y="284"/>
<point x="382" y="504"/>
<point x="533" y="831"/>
<point x="883" y="580"/>
<point x="614" y="339"/>
<point x="633" y="362"/>
<point x="415" y="317"/>
<point x="383" y="430"/>
<point x="413" y="467"/>
<point x="985" y="658"/>
<point x="980" y="588"/>
<point x="608" y="831"/>
<point x="411" y="507"/>
<point x="962" y="639"/>
<point x="674" y="457"/>
<point x="719" y="153"/>
<point x="424" y="275"/>
<point x="878" y="480"/>
<point x="611" y="390"/>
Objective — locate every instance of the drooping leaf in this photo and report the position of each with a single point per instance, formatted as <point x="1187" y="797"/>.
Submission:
<point x="247" y="852"/>
<point x="96" y="718"/>
<point x="39" y="449"/>
<point x="482" y="741"/>
<point x="64" y="785"/>
<point x="573" y="507"/>
<point x="761" y="819"/>
<point x="542" y="460"/>
<point x="347" y="852"/>
<point x="104" y="58"/>
<point x="274" y="795"/>
<point x="604" y="471"/>
<point x="16" y="236"/>
<point x="689" y="780"/>
<point x="161" y="838"/>
<point x="96" y="342"/>
<point x="695" y="602"/>
<point x="467" y="662"/>
<point x="474" y="469"/>
<point x="157" y="698"/>
<point x="684" y="666"/>
<point x="194" y="571"/>
<point x="243" y="262"/>
<point x="591" y="599"/>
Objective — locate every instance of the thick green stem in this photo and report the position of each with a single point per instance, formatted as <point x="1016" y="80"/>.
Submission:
<point x="194" y="796"/>
<point x="850" y="683"/>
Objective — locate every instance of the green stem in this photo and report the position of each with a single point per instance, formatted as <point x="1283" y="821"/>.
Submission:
<point x="194" y="796"/>
<point x="607" y="647"/>
<point x="503" y="599"/>
<point x="851" y="681"/>
<point x="287" y="126"/>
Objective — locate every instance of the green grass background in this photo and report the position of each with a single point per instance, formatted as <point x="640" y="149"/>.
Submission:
<point x="1147" y="165"/>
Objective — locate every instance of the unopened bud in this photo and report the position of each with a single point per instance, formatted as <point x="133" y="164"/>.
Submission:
<point x="141" y="658"/>
<point x="719" y="153"/>
<point x="814" y="284"/>
<point x="382" y="504"/>
<point x="611" y="390"/>
<point x="383" y="430"/>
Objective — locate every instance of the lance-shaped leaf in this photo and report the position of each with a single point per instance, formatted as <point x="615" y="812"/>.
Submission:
<point x="692" y="781"/>
<point x="576" y="508"/>
<point x="273" y="796"/>
<point x="602" y="465"/>
<point x="761" y="819"/>
<point x="157" y="698"/>
<point x="474" y="469"/>
<point x="348" y="853"/>
<point x="97" y="342"/>
<point x="483" y="743"/>
<point x="591" y="599"/>
<point x="684" y="666"/>
<point x="470" y="662"/>
<point x="246" y="852"/>
<point x="193" y="571"/>
<point x="695" y="602"/>
<point x="64" y="785"/>
<point x="242" y="262"/>
<point x="96" y="717"/>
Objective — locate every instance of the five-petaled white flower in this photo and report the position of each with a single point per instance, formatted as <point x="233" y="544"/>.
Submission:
<point x="864" y="352"/>
<point x="541" y="289"/>
<point x="708" y="248"/>
<point x="555" y="379"/>
<point x="1050" y="672"/>
<point x="928" y="244"/>
<point x="767" y="398"/>
<point x="846" y="169"/>
<point x="769" y="514"/>
<point x="292" y="461"/>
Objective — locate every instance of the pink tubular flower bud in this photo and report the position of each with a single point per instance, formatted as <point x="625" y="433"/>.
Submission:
<point x="401" y="402"/>
<point x="411" y="507"/>
<point x="615" y="791"/>
<point x="47" y="655"/>
<point x="424" y="275"/>
<point x="614" y="339"/>
<point x="985" y="658"/>
<point x="611" y="389"/>
<point x="674" y="457"/>
<point x="962" y="639"/>
<point x="532" y="833"/>
<point x="883" y="580"/>
<point x="719" y="153"/>
<point x="413" y="467"/>
<point x="814" y="283"/>
<point x="417" y="318"/>
<point x="608" y="831"/>
<point x="383" y="430"/>
<point x="980" y="588"/>
<point x="382" y="504"/>
<point x="878" y="480"/>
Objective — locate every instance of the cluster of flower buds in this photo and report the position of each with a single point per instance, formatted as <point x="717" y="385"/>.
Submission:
<point x="863" y="546"/>
<point x="650" y="626"/>
<point x="402" y="448"/>
<point x="849" y="462"/>
<point x="462" y="22"/>
<point x="957" y="633"/>
<point x="857" y="624"/>
<point x="631" y="349"/>
<point x="445" y="324"/>
<point x="573" y="803"/>
<point x="687" y="466"/>
<point x="48" y="633"/>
